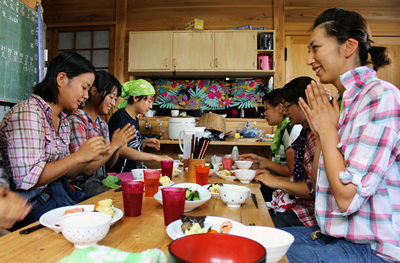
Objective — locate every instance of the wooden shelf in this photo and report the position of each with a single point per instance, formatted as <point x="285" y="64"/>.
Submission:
<point x="224" y="143"/>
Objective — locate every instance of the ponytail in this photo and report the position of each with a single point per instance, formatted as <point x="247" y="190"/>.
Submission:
<point x="379" y="57"/>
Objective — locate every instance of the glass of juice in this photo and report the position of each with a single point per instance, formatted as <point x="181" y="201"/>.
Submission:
<point x="151" y="182"/>
<point x="202" y="173"/>
<point x="132" y="194"/>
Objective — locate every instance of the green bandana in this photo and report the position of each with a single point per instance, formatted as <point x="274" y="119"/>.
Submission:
<point x="135" y="88"/>
<point x="276" y="141"/>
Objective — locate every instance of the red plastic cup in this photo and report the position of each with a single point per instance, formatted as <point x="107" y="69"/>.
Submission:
<point x="227" y="163"/>
<point x="151" y="182"/>
<point x="202" y="173"/>
<point x="132" y="194"/>
<point x="166" y="168"/>
<point x="173" y="203"/>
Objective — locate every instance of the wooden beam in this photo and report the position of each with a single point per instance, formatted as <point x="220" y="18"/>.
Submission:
<point x="279" y="49"/>
<point x="120" y="28"/>
<point x="79" y="24"/>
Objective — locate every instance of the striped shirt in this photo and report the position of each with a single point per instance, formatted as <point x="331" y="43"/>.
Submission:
<point x="369" y="141"/>
<point x="28" y="141"/>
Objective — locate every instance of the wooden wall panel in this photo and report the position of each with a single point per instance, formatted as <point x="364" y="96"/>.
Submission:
<point x="383" y="16"/>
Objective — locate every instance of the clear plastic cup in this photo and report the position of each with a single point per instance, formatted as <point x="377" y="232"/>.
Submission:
<point x="151" y="182"/>
<point x="227" y="163"/>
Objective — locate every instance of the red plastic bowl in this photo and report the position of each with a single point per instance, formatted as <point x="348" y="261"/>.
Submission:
<point x="221" y="248"/>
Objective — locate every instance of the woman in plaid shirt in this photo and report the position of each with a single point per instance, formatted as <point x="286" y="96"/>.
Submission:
<point x="357" y="202"/>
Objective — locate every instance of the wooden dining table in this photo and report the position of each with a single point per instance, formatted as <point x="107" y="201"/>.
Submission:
<point x="131" y="234"/>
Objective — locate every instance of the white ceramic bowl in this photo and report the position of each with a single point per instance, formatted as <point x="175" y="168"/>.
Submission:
<point x="177" y="163"/>
<point x="234" y="195"/>
<point x="138" y="174"/>
<point x="243" y="164"/>
<point x="85" y="229"/>
<point x="244" y="175"/>
<point x="275" y="241"/>
<point x="205" y="195"/>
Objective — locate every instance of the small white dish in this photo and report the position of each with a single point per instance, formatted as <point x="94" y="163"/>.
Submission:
<point x="50" y="218"/>
<point x="234" y="195"/>
<point x="215" y="195"/>
<point x="176" y="174"/>
<point x="138" y="174"/>
<point x="174" y="229"/>
<point x="231" y="177"/>
<point x="168" y="185"/>
<point x="245" y="175"/>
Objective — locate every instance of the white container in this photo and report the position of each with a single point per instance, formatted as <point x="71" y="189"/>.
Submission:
<point x="174" y="113"/>
<point x="245" y="175"/>
<point x="178" y="124"/>
<point x="234" y="195"/>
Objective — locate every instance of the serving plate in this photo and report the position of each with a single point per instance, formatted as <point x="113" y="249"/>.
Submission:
<point x="176" y="174"/>
<point x="231" y="178"/>
<point x="168" y="185"/>
<point x="50" y="218"/>
<point x="174" y="229"/>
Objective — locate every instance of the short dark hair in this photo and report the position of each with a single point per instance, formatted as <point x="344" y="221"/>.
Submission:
<point x="71" y="63"/>
<point x="273" y="98"/>
<point x="295" y="89"/>
<point x="141" y="97"/>
<point x="342" y="25"/>
<point x="105" y="83"/>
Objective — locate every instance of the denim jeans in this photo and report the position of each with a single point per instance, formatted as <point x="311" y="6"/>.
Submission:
<point x="327" y="249"/>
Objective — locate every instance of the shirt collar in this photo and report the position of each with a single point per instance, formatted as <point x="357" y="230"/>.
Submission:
<point x="86" y="117"/>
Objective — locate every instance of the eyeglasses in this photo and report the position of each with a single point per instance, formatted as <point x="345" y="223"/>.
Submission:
<point x="286" y="107"/>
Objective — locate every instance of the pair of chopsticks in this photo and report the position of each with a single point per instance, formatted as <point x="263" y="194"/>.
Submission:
<point x="30" y="230"/>
<point x="200" y="147"/>
<point x="253" y="196"/>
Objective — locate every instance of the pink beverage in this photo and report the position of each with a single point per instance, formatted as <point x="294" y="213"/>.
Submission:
<point x="166" y="168"/>
<point x="132" y="194"/>
<point x="227" y="163"/>
<point x="151" y="182"/>
<point x="173" y="203"/>
<point x="202" y="173"/>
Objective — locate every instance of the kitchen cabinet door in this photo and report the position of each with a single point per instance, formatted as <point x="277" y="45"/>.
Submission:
<point x="150" y="51"/>
<point x="193" y="51"/>
<point x="235" y="50"/>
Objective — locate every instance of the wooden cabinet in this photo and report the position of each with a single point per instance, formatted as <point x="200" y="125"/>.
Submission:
<point x="193" y="50"/>
<point x="150" y="51"/>
<point x="201" y="54"/>
<point x="235" y="50"/>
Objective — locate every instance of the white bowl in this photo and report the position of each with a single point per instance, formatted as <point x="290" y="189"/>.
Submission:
<point x="243" y="164"/>
<point x="234" y="195"/>
<point x="177" y="163"/>
<point x="205" y="195"/>
<point x="244" y="175"/>
<point x="138" y="174"/>
<point x="85" y="229"/>
<point x="275" y="241"/>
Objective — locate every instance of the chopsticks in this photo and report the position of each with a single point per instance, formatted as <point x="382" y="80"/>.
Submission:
<point x="253" y="196"/>
<point x="30" y="230"/>
<point x="200" y="148"/>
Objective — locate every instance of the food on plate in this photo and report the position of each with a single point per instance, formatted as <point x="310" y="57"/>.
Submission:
<point x="193" y="225"/>
<point x="226" y="172"/>
<point x="226" y="227"/>
<point x="213" y="188"/>
<point x="181" y="160"/>
<point x="164" y="180"/>
<point x="175" y="170"/>
<point x="192" y="195"/>
<point x="193" y="219"/>
<point x="196" y="229"/>
<point x="105" y="206"/>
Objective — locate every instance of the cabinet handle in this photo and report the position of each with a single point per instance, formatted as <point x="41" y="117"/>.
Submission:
<point x="174" y="62"/>
<point x="254" y="36"/>
<point x="166" y="62"/>
<point x="254" y="64"/>
<point x="211" y="63"/>
<point x="216" y="62"/>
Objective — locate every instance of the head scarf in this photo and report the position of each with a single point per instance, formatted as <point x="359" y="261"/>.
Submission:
<point x="134" y="88"/>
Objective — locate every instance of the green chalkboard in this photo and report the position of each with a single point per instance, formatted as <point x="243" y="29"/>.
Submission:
<point x="19" y="68"/>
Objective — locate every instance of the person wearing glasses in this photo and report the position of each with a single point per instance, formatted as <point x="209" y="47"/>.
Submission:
<point x="281" y="163"/>
<point x="139" y="96"/>
<point x="293" y="197"/>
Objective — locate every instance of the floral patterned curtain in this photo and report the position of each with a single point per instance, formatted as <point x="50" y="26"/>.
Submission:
<point x="208" y="94"/>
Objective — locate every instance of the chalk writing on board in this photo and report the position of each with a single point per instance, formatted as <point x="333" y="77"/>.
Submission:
<point x="19" y="70"/>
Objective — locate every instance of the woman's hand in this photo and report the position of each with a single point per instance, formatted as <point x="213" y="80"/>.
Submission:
<point x="13" y="207"/>
<point x="322" y="116"/>
<point x="250" y="157"/>
<point x="159" y="158"/>
<point x="92" y="150"/>
<point x="265" y="177"/>
<point x="122" y="136"/>
<point x="152" y="143"/>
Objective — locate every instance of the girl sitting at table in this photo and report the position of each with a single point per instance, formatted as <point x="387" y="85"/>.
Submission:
<point x="296" y="190"/>
<point x="139" y="97"/>
<point x="358" y="180"/>
<point x="86" y="123"/>
<point x="282" y="160"/>
<point x="35" y="136"/>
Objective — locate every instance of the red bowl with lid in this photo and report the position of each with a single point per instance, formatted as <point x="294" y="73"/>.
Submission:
<point x="215" y="248"/>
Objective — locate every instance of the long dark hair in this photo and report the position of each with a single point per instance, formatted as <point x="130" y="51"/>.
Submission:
<point x="342" y="25"/>
<point x="295" y="89"/>
<point x="105" y="83"/>
<point x="273" y="98"/>
<point x="71" y="63"/>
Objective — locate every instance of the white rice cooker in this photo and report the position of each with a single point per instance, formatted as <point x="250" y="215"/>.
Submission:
<point x="177" y="124"/>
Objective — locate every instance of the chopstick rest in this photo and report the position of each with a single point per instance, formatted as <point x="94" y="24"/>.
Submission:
<point x="253" y="196"/>
<point x="30" y="230"/>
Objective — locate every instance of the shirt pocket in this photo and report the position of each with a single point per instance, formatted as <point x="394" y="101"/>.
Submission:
<point x="52" y="148"/>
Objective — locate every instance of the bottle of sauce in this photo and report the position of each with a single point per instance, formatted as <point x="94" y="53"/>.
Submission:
<point x="235" y="153"/>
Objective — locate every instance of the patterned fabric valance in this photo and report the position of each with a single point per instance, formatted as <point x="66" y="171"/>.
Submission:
<point x="207" y="94"/>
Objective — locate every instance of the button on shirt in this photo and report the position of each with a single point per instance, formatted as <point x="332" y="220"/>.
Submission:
<point x="28" y="141"/>
<point x="369" y="141"/>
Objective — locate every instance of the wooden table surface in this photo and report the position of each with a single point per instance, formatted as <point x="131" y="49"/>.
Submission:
<point x="132" y="234"/>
